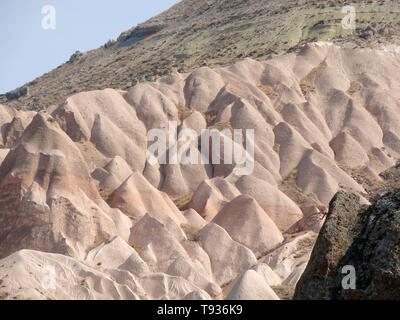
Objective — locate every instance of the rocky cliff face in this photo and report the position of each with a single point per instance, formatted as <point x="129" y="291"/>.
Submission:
<point x="367" y="238"/>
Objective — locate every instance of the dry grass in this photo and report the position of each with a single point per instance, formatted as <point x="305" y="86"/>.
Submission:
<point x="184" y="112"/>
<point x="84" y="284"/>
<point x="355" y="86"/>
<point x="238" y="89"/>
<point x="182" y="202"/>
<point x="253" y="30"/>
<point x="210" y="117"/>
<point x="192" y="232"/>
<point x="222" y="125"/>
<point x="374" y="187"/>
<point x="284" y="292"/>
<point x="290" y="188"/>
<point x="106" y="194"/>
<point x="304" y="246"/>
<point x="360" y="176"/>
<point x="269" y="91"/>
<point x="307" y="84"/>
<point x="4" y="296"/>
<point x="98" y="241"/>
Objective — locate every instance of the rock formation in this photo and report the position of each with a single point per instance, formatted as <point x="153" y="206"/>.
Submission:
<point x="364" y="238"/>
<point x="76" y="187"/>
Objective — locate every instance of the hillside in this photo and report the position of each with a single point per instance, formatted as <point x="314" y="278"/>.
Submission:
<point x="195" y="33"/>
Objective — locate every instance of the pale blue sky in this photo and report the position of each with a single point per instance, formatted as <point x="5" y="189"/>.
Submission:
<point x="27" y="50"/>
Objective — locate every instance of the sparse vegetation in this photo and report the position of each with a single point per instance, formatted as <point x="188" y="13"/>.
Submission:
<point x="305" y="245"/>
<point x="83" y="283"/>
<point x="4" y="296"/>
<point x="191" y="232"/>
<point x="192" y="29"/>
<point x="98" y="241"/>
<point x="183" y="201"/>
<point x="307" y="84"/>
<point x="269" y="91"/>
<point x="210" y="117"/>
<point x="284" y="292"/>
<point x="355" y="86"/>
<point x="290" y="188"/>
<point x="360" y="175"/>
<point x="276" y="148"/>
<point x="222" y="125"/>
<point x="184" y="112"/>
<point x="106" y="194"/>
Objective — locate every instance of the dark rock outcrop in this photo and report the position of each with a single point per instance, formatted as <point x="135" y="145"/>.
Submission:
<point x="17" y="93"/>
<point x="75" y="56"/>
<point x="139" y="33"/>
<point x="367" y="238"/>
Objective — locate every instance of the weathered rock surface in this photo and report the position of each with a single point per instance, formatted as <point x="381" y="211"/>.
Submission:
<point x="290" y="258"/>
<point x="48" y="201"/>
<point x="75" y="180"/>
<point x="366" y="238"/>
<point x="229" y="258"/>
<point x="248" y="224"/>
<point x="252" y="286"/>
<point x="117" y="254"/>
<point x="37" y="275"/>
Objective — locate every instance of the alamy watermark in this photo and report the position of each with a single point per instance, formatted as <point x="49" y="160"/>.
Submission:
<point x="49" y="278"/>
<point x="49" y="19"/>
<point x="184" y="148"/>
<point x="349" y="280"/>
<point x="349" y="21"/>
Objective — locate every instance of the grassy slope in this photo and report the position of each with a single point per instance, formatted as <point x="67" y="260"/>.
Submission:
<point x="205" y="32"/>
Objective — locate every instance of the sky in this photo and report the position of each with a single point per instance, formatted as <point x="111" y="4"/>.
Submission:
<point x="28" y="50"/>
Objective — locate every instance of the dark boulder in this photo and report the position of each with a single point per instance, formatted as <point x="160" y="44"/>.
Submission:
<point x="367" y="238"/>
